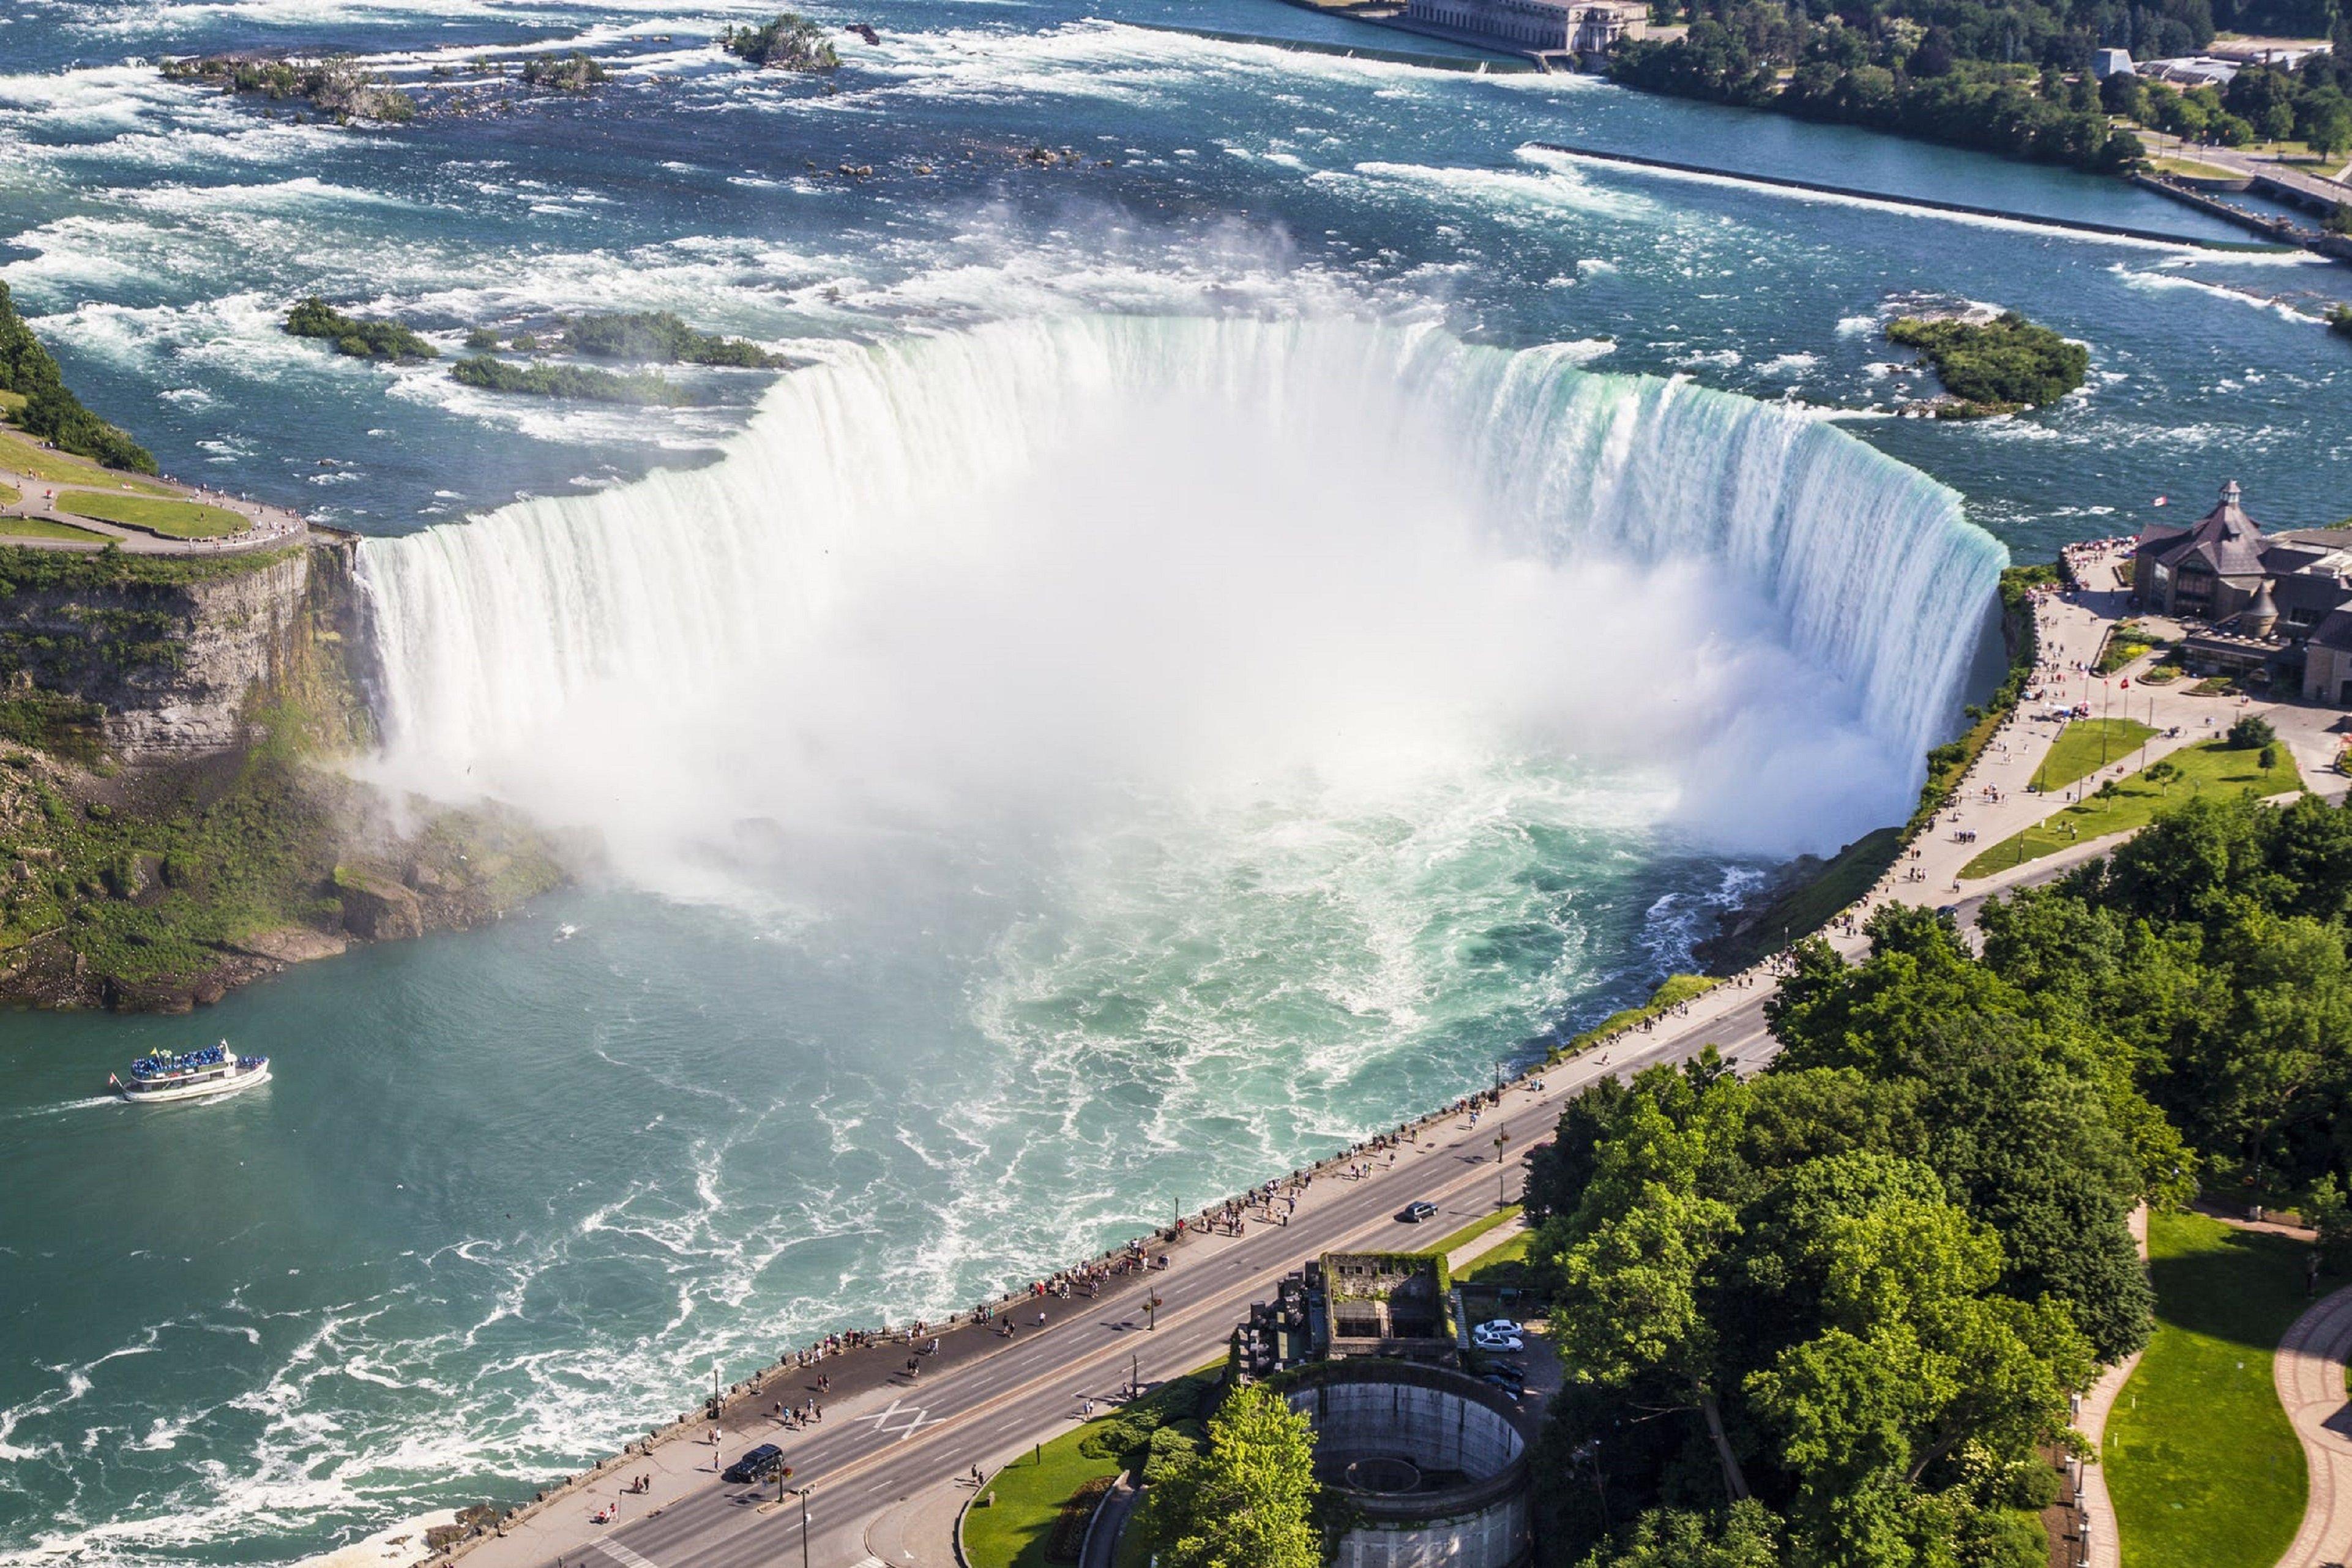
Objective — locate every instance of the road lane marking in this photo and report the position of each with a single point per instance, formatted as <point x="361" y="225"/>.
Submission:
<point x="917" y="1419"/>
<point x="624" y="1556"/>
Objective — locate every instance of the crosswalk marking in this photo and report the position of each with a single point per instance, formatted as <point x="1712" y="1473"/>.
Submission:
<point x="624" y="1556"/>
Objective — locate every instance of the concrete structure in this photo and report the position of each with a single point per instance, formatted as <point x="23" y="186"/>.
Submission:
<point x="1383" y="1303"/>
<point x="1433" y="1464"/>
<point x="1588" y="29"/>
<point x="2278" y="605"/>
<point x="2105" y="63"/>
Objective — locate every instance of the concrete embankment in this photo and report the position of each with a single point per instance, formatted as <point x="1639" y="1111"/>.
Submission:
<point x="1924" y="204"/>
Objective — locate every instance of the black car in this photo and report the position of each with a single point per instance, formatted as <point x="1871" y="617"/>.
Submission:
<point x="756" y="1466"/>
<point x="1414" y="1213"/>
<point x="1510" y="1385"/>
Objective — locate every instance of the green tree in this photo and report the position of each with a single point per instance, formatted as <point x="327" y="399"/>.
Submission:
<point x="1245" y="1501"/>
<point x="1743" y="1536"/>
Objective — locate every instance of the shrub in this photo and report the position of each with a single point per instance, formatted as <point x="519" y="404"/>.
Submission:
<point x="2251" y="732"/>
<point x="574" y="72"/>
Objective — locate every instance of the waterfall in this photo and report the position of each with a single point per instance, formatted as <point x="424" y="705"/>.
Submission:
<point x="554" y="625"/>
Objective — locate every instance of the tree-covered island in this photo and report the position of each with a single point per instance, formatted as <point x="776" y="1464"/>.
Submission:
<point x="2000" y="366"/>
<point x="791" y="42"/>
<point x="356" y="336"/>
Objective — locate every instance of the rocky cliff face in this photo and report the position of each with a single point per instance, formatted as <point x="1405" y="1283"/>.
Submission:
<point x="158" y="668"/>
<point x="174" y="817"/>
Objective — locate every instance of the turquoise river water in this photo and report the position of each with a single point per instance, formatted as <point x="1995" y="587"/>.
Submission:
<point x="1226" y="640"/>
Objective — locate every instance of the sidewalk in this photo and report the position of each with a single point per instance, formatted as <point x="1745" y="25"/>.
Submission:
<point x="267" y="526"/>
<point x="2309" y="1372"/>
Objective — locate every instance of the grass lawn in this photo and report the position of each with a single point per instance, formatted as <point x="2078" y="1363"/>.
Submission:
<point x="10" y="496"/>
<point x="2134" y="802"/>
<point x="1030" y="1491"/>
<point x="22" y="454"/>
<point x="2195" y="170"/>
<point x="1506" y="1257"/>
<point x="45" y="528"/>
<point x="1676" y="989"/>
<point x="1474" y="1230"/>
<point x="2204" y="1469"/>
<point x="2085" y="746"/>
<point x="174" y="518"/>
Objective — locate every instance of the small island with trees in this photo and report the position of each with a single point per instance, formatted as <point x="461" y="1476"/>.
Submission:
<point x="2002" y="366"/>
<point x="792" y="42"/>
<point x="356" y="336"/>
<point x="337" y="86"/>
<point x="634" y="337"/>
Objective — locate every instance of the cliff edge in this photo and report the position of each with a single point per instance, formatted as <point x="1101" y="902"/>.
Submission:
<point x="175" y="818"/>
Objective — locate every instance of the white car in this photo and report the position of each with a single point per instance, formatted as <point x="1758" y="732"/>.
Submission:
<point x="1497" y="1326"/>
<point x="1490" y="1341"/>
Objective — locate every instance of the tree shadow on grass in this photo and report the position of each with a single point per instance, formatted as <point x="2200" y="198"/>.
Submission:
<point x="2241" y="1287"/>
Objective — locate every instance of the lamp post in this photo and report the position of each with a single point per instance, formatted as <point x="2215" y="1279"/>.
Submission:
<point x="1502" y="1137"/>
<point x="802" y="1493"/>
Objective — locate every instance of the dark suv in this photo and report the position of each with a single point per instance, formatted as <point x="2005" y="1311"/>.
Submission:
<point x="756" y="1466"/>
<point x="1415" y="1212"/>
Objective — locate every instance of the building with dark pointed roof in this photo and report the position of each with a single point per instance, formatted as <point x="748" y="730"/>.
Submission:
<point x="2208" y="570"/>
<point x="2277" y="604"/>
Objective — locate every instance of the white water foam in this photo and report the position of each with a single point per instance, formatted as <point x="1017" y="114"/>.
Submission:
<point x="1010" y="568"/>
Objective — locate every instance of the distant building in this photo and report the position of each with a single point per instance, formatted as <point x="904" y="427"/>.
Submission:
<point x="2191" y="71"/>
<point x="2105" y="63"/>
<point x="1588" y="29"/>
<point x="2285" y="54"/>
<point x="2278" y="603"/>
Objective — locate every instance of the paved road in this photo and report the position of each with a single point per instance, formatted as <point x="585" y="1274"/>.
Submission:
<point x="863" y="1463"/>
<point x="2309" y="1372"/>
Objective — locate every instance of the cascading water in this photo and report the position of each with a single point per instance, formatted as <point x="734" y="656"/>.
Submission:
<point x="1024" y="561"/>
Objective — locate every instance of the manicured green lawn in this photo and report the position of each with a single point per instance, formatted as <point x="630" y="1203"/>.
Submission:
<point x="175" y="519"/>
<point x="2085" y="746"/>
<point x="1474" y="1230"/>
<point x="2134" y="802"/>
<point x="44" y="528"/>
<point x="9" y="497"/>
<point x="2203" y="1466"/>
<point x="22" y="454"/>
<point x="1512" y="1252"/>
<point x="1012" y="1531"/>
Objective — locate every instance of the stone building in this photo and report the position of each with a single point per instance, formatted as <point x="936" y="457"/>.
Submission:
<point x="2278" y="604"/>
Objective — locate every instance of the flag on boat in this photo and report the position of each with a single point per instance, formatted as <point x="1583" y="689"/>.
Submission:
<point x="112" y="1081"/>
<point x="2161" y="500"/>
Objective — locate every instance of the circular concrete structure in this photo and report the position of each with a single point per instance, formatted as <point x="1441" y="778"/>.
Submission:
<point x="1433" y="1463"/>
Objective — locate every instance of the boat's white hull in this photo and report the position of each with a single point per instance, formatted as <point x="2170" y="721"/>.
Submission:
<point x="206" y="1089"/>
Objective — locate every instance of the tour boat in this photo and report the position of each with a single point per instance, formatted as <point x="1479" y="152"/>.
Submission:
<point x="199" y="1075"/>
